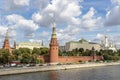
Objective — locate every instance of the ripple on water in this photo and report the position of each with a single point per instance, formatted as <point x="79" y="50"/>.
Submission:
<point x="98" y="73"/>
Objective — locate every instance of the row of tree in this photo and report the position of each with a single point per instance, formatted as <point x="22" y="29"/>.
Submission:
<point x="23" y="55"/>
<point x="107" y="54"/>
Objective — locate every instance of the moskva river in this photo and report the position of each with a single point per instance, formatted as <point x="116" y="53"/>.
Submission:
<point x="97" y="73"/>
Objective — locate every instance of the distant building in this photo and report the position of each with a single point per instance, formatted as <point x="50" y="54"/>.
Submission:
<point x="29" y="45"/>
<point x="106" y="44"/>
<point x="62" y="48"/>
<point x="69" y="46"/>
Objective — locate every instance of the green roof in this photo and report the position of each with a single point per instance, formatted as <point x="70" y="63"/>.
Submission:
<point x="82" y="40"/>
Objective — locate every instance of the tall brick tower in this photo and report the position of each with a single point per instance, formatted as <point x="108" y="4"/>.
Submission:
<point x="54" y="46"/>
<point x="6" y="44"/>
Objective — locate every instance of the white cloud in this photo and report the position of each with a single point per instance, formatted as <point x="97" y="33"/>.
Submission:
<point x="116" y="40"/>
<point x="35" y="40"/>
<point x="100" y="36"/>
<point x="14" y="18"/>
<point x="12" y="5"/>
<point x="64" y="11"/>
<point x="68" y="34"/>
<point x="21" y="2"/>
<point x="89" y="21"/>
<point x="3" y="30"/>
<point x="19" y="22"/>
<point x="67" y="12"/>
<point x="112" y="18"/>
<point x="37" y="17"/>
<point x="39" y="4"/>
<point x="44" y="34"/>
<point x="70" y="30"/>
<point x="116" y="2"/>
<point x="12" y="33"/>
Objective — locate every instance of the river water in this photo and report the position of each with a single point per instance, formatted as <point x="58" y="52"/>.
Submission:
<point x="97" y="73"/>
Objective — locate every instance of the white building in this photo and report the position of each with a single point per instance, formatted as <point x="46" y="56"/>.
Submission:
<point x="106" y="44"/>
<point x="29" y="45"/>
<point x="69" y="46"/>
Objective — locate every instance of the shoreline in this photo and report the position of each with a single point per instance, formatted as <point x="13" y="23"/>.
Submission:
<point x="52" y="68"/>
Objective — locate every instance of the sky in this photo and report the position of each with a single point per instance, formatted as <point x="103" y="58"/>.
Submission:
<point x="31" y="20"/>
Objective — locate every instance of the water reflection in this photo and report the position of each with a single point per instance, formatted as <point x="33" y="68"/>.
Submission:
<point x="96" y="73"/>
<point x="54" y="75"/>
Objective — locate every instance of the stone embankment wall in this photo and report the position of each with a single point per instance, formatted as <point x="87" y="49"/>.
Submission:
<point x="51" y="68"/>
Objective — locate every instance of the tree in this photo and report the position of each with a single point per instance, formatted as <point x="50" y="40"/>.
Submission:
<point x="24" y="50"/>
<point x="44" y="51"/>
<point x="17" y="54"/>
<point x="25" y="58"/>
<point x="87" y="52"/>
<point x="5" y="56"/>
<point x="33" y="58"/>
<point x="81" y="51"/>
<point x="36" y="51"/>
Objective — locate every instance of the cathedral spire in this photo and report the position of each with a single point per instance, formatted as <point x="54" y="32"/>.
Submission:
<point x="14" y="44"/>
<point x="42" y="44"/>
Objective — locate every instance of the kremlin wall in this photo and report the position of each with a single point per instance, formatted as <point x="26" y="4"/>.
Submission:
<point x="53" y="57"/>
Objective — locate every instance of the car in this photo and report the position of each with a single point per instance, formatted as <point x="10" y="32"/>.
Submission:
<point x="6" y="65"/>
<point x="59" y="64"/>
<point x="13" y="65"/>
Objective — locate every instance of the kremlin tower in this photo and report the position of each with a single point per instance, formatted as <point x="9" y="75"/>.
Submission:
<point x="54" y="46"/>
<point x="6" y="44"/>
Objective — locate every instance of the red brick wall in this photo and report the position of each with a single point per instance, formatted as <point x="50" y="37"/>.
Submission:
<point x="45" y="59"/>
<point x="74" y="58"/>
<point x="65" y="59"/>
<point x="42" y="58"/>
<point x="77" y="58"/>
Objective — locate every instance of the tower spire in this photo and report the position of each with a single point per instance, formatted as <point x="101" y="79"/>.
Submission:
<point x="6" y="36"/>
<point x="42" y="44"/>
<point x="54" y="30"/>
<point x="14" y="44"/>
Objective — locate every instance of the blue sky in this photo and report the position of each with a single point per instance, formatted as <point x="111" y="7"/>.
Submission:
<point x="31" y="20"/>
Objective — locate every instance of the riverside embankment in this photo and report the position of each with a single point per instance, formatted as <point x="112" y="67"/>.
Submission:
<point x="51" y="68"/>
